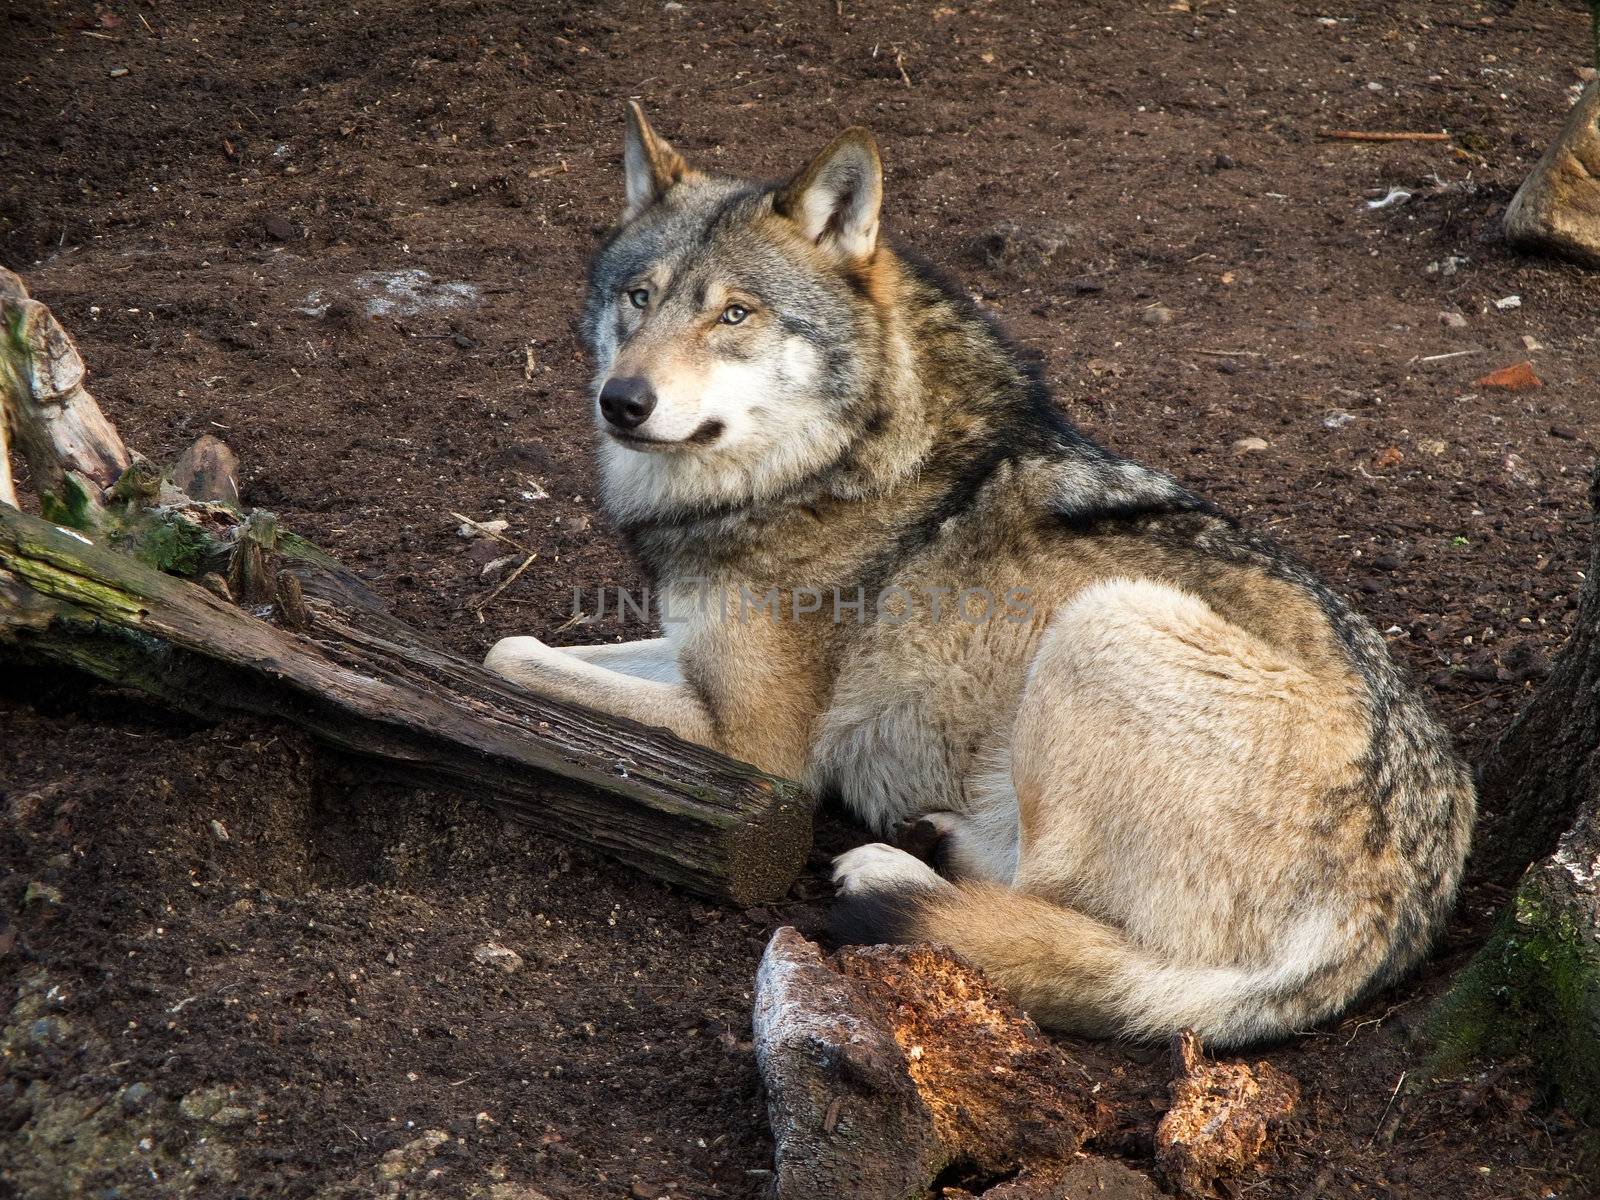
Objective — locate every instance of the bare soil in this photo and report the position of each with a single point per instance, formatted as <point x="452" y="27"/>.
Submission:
<point x="350" y="241"/>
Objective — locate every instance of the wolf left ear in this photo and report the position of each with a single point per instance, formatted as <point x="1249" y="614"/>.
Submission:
<point x="835" y="200"/>
<point x="650" y="166"/>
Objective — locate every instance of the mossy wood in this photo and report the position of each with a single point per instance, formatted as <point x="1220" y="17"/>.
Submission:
<point x="1533" y="990"/>
<point x="97" y="586"/>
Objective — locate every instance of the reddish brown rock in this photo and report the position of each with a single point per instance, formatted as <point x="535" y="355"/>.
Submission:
<point x="1519" y="377"/>
<point x="1223" y="1118"/>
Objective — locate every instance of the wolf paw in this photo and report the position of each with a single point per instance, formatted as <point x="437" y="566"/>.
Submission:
<point x="877" y="867"/>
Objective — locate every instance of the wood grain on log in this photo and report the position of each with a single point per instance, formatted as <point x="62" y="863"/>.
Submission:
<point x="1222" y="1119"/>
<point x="59" y="429"/>
<point x="364" y="682"/>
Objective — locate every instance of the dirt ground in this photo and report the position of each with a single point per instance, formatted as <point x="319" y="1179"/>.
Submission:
<point x="350" y="241"/>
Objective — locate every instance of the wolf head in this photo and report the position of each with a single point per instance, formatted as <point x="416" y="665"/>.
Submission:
<point x="736" y="336"/>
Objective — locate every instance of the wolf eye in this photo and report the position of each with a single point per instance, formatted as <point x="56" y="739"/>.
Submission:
<point x="733" y="314"/>
<point x="639" y="297"/>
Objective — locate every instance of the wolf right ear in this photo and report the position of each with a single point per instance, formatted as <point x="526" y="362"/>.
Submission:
<point x="650" y="166"/>
<point x="835" y="200"/>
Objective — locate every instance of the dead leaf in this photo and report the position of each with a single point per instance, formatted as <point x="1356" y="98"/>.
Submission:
<point x="1517" y="378"/>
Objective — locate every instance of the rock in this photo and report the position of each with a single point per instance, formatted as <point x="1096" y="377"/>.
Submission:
<point x="45" y="1032"/>
<point x="1519" y="377"/>
<point x="884" y="1065"/>
<point x="496" y="565"/>
<point x="42" y="893"/>
<point x="1531" y="344"/>
<point x="493" y="954"/>
<point x="477" y="529"/>
<point x="1223" y="1117"/>
<point x="1250" y="445"/>
<point x="1156" y="314"/>
<point x="1557" y="208"/>
<point x="402" y="1160"/>
<point x="219" y="831"/>
<point x="1224" y="162"/>
<point x="1519" y="471"/>
<point x="1507" y="303"/>
<point x="134" y="1097"/>
<point x="1336" y="418"/>
<point x="279" y="229"/>
<point x="484" y="551"/>
<point x="1452" y="320"/>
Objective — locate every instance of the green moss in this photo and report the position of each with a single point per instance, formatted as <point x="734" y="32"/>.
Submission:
<point x="1534" y="990"/>
<point x="75" y="509"/>
<point x="173" y="545"/>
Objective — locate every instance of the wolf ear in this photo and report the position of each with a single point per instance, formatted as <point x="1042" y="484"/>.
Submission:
<point x="650" y="166"/>
<point x="835" y="200"/>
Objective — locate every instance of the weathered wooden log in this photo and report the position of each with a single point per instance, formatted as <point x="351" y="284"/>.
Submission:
<point x="887" y="1065"/>
<point x="57" y="426"/>
<point x="1223" y="1118"/>
<point x="367" y="683"/>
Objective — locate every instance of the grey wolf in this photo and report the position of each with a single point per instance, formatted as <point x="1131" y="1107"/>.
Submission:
<point x="1191" y="788"/>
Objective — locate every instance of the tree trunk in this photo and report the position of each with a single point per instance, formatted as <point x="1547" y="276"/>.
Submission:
<point x="1534" y="988"/>
<point x="1546" y="767"/>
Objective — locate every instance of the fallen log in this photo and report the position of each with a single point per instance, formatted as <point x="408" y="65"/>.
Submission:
<point x="336" y="662"/>
<point x="888" y="1067"/>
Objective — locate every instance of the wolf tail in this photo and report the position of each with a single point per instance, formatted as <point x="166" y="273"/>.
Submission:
<point x="1079" y="975"/>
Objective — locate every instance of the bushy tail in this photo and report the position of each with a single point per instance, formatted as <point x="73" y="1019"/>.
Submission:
<point x="1079" y="975"/>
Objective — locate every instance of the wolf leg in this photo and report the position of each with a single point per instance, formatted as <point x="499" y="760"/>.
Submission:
<point x="978" y="845"/>
<point x="530" y="663"/>
<point x="652" y="658"/>
<point x="878" y="867"/>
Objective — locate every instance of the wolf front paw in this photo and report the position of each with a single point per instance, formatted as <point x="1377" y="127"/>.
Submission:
<point x="517" y="658"/>
<point x="877" y="867"/>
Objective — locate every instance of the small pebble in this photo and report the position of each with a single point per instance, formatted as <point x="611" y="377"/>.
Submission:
<point x="493" y="954"/>
<point x="118" y="72"/>
<point x="483" y="528"/>
<point x="1452" y="320"/>
<point x="1156" y="314"/>
<point x="1250" y="445"/>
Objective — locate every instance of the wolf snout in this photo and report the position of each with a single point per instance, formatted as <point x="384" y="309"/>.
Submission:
<point x="627" y="402"/>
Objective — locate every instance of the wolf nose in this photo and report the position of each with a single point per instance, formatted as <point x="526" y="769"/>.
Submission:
<point x="627" y="402"/>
